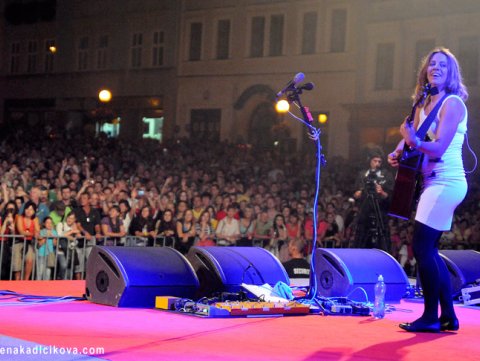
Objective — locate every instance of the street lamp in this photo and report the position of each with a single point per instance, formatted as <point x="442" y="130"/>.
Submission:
<point x="282" y="106"/>
<point x="105" y="95"/>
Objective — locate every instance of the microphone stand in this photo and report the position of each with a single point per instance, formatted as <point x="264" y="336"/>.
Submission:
<point x="293" y="96"/>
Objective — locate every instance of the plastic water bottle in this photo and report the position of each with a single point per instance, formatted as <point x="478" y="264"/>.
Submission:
<point x="379" y="305"/>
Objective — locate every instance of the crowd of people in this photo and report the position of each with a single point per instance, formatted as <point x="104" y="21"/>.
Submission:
<point x="61" y="193"/>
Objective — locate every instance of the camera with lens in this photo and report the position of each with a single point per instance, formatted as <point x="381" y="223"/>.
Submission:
<point x="370" y="183"/>
<point x="371" y="180"/>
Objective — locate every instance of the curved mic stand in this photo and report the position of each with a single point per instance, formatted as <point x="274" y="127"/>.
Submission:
<point x="293" y="96"/>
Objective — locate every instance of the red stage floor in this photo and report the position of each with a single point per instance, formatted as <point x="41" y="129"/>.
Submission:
<point x="133" y="334"/>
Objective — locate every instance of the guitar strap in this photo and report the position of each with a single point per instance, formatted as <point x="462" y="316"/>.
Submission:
<point x="422" y="131"/>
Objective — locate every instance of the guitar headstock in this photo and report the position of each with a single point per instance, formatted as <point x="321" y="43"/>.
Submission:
<point x="428" y="89"/>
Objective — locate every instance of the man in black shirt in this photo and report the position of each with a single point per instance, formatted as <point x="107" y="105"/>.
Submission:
<point x="298" y="266"/>
<point x="88" y="222"/>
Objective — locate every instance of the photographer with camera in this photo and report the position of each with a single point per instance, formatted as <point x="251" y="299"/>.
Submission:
<point x="373" y="187"/>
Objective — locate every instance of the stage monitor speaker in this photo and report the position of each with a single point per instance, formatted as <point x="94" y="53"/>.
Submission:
<point x="134" y="276"/>
<point x="224" y="269"/>
<point x="340" y="272"/>
<point x="463" y="266"/>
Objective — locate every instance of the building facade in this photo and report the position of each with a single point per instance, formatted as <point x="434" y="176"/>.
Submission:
<point x="210" y="69"/>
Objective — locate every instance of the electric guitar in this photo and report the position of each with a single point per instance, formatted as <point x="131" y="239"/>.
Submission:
<point x="407" y="180"/>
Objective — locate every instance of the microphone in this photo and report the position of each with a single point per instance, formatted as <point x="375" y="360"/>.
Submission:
<point x="307" y="86"/>
<point x="291" y="84"/>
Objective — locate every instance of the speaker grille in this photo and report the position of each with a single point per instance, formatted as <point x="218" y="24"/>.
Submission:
<point x="102" y="281"/>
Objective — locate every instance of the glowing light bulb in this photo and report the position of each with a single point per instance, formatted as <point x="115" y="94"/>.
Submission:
<point x="322" y="118"/>
<point x="282" y="106"/>
<point x="105" y="96"/>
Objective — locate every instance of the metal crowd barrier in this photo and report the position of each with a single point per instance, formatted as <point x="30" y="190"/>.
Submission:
<point x="68" y="259"/>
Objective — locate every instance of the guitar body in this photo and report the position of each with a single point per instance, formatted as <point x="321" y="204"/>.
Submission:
<point x="405" y="188"/>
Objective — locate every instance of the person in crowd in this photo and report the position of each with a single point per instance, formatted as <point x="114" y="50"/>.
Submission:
<point x="297" y="266"/>
<point x="263" y="226"/>
<point x="126" y="213"/>
<point x="332" y="237"/>
<point x="373" y="189"/>
<point x="44" y="200"/>
<point x="185" y="232"/>
<point x="247" y="227"/>
<point x="96" y="204"/>
<point x="301" y="212"/>
<point x="182" y="206"/>
<point x="197" y="207"/>
<point x="68" y="232"/>
<point x="66" y="199"/>
<point x="113" y="228"/>
<point x="294" y="227"/>
<point x="228" y="229"/>
<point x="23" y="249"/>
<point x="58" y="213"/>
<point x="279" y="238"/>
<point x="272" y="210"/>
<point x="206" y="199"/>
<point x="5" y="196"/>
<point x="88" y="222"/>
<point x="166" y="229"/>
<point x="463" y="234"/>
<point x="204" y="231"/>
<point x="222" y="210"/>
<point x="405" y="253"/>
<point x="444" y="183"/>
<point x="46" y="250"/>
<point x="7" y="230"/>
<point x="213" y="220"/>
<point x="143" y="226"/>
<point x="332" y="208"/>
<point x="322" y="226"/>
<point x="19" y="201"/>
<point x="286" y="211"/>
<point x="42" y="209"/>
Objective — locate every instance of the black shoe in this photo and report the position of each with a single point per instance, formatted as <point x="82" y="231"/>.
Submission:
<point x="449" y="324"/>
<point x="421" y="326"/>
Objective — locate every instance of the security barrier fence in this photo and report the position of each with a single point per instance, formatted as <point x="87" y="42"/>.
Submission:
<point x="59" y="258"/>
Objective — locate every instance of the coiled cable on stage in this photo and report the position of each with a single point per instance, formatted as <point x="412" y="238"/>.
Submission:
<point x="26" y="299"/>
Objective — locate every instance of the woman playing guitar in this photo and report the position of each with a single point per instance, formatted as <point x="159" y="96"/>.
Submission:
<point x="444" y="183"/>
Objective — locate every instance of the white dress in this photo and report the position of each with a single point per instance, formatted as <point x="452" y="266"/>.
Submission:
<point x="444" y="183"/>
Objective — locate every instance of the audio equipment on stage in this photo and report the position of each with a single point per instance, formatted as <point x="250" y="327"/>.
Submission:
<point x="464" y="268"/>
<point x="134" y="276"/>
<point x="231" y="308"/>
<point x="340" y="272"/>
<point x="224" y="269"/>
<point x="249" y="308"/>
<point x="471" y="295"/>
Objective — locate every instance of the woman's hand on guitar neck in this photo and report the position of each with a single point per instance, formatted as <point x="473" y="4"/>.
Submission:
<point x="394" y="157"/>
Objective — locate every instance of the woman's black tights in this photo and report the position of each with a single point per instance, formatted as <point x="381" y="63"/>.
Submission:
<point x="433" y="273"/>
